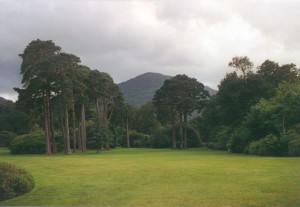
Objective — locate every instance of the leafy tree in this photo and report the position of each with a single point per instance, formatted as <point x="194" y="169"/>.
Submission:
<point x="272" y="74"/>
<point x="6" y="137"/>
<point x="36" y="81"/>
<point x="48" y="77"/>
<point x="107" y="97"/>
<point x="242" y="64"/>
<point x="129" y="113"/>
<point x="180" y="95"/>
<point x="145" y="119"/>
<point x="277" y="114"/>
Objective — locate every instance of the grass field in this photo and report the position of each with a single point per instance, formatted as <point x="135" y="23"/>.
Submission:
<point x="149" y="177"/>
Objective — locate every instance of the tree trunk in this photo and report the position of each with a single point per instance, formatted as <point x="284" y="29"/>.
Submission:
<point x="53" y="141"/>
<point x="83" y="128"/>
<point x="67" y="130"/>
<point x="74" y="129"/>
<point x="49" y="122"/>
<point x="185" y="131"/>
<point x="181" y="130"/>
<point x="63" y="131"/>
<point x="48" y="146"/>
<point x="79" y="141"/>
<point x="174" y="129"/>
<point x="127" y="132"/>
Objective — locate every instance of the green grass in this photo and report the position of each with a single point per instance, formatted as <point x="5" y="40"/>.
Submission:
<point x="149" y="177"/>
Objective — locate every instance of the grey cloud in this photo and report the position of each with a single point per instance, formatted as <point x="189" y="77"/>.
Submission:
<point x="128" y="38"/>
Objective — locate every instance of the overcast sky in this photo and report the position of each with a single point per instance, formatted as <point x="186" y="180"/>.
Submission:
<point x="126" y="38"/>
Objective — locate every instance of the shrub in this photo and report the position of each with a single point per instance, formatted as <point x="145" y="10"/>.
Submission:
<point x="160" y="138"/>
<point x="216" y="145"/>
<point x="271" y="145"/>
<point x="253" y="148"/>
<point x="33" y="143"/>
<point x="6" y="137"/>
<point x="14" y="181"/>
<point x="136" y="139"/>
<point x="294" y="148"/>
<point x="239" y="140"/>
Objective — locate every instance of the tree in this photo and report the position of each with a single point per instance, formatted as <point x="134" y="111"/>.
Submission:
<point x="272" y="75"/>
<point x="192" y="97"/>
<point x="48" y="76"/>
<point x="242" y="64"/>
<point x="107" y="97"/>
<point x="278" y="114"/>
<point x="129" y="113"/>
<point x="180" y="95"/>
<point x="81" y="98"/>
<point x="36" y="81"/>
<point x="145" y="119"/>
<point x="164" y="102"/>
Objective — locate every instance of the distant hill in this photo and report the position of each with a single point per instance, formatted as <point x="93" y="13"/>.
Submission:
<point x="2" y="100"/>
<point x="141" y="89"/>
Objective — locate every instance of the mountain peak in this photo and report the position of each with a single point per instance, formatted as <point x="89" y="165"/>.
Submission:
<point x="141" y="89"/>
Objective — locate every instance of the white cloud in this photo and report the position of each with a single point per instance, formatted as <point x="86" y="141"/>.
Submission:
<point x="128" y="38"/>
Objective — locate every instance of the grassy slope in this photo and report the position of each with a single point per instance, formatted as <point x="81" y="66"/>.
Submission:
<point x="148" y="177"/>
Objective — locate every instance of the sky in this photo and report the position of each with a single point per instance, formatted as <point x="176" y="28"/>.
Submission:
<point x="126" y="38"/>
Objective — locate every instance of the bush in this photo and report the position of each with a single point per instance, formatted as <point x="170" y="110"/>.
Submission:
<point x="239" y="140"/>
<point x="33" y="143"/>
<point x="294" y="148"/>
<point x="14" y="181"/>
<point x="136" y="139"/>
<point x="216" y="145"/>
<point x="6" y="137"/>
<point x="253" y="148"/>
<point x="271" y="145"/>
<point x="160" y="138"/>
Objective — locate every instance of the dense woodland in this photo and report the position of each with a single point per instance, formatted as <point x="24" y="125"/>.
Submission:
<point x="66" y="106"/>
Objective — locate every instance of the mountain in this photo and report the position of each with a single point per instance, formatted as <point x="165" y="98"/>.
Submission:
<point x="2" y="100"/>
<point x="141" y="89"/>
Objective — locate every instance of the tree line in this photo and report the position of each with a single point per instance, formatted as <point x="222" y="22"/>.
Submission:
<point x="255" y="112"/>
<point x="68" y="104"/>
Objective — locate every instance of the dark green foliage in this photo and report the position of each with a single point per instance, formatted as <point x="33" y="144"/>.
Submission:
<point x="12" y="119"/>
<point x="216" y="145"/>
<point x="14" y="181"/>
<point x="253" y="106"/>
<point x="33" y="143"/>
<point x="145" y="119"/>
<point x="160" y="138"/>
<point x="271" y="145"/>
<point x="293" y="145"/>
<point x="137" y="140"/>
<point x="6" y="137"/>
<point x="281" y="145"/>
<point x="294" y="148"/>
<point x="239" y="139"/>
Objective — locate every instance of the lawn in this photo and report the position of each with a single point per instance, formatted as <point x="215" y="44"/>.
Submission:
<point x="152" y="177"/>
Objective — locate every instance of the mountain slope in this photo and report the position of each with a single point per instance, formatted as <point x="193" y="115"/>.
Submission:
<point x="2" y="100"/>
<point x="141" y="89"/>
